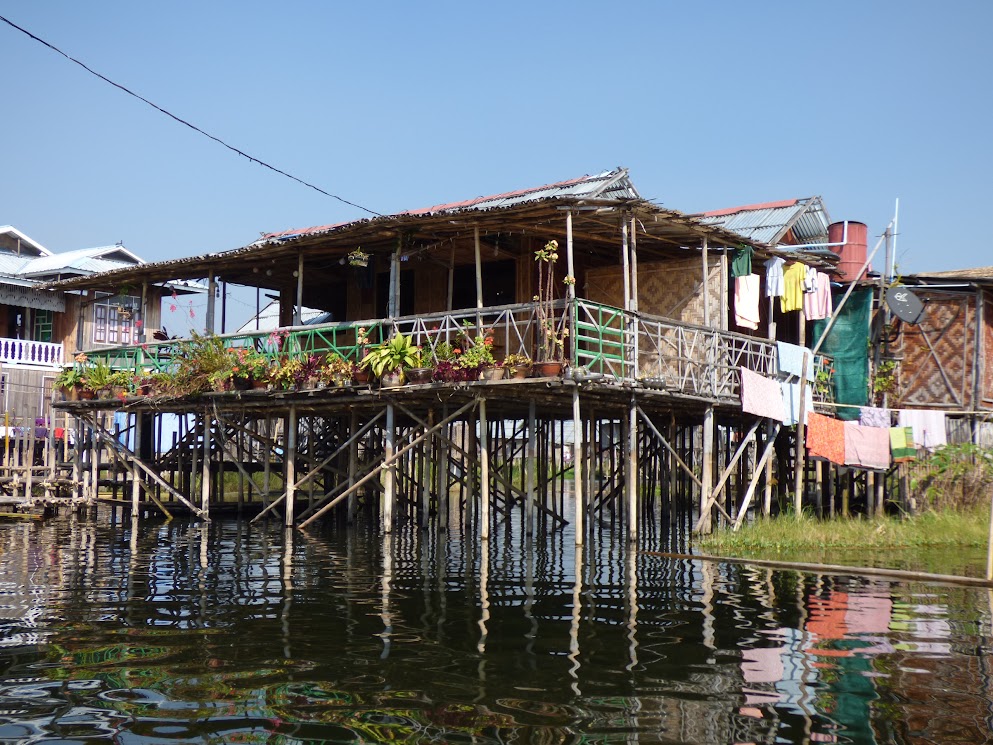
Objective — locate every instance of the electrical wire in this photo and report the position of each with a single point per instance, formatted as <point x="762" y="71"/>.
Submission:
<point x="186" y="123"/>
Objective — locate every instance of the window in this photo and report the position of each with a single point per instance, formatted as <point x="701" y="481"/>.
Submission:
<point x="113" y="320"/>
<point x="43" y="325"/>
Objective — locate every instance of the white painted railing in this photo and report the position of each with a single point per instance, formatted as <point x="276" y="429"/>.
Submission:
<point x="24" y="353"/>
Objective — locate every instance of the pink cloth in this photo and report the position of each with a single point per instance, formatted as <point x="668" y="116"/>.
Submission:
<point x="763" y="397"/>
<point x="746" y="301"/>
<point x="868" y="447"/>
<point x="818" y="304"/>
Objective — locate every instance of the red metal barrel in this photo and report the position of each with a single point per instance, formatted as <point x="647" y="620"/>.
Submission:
<point x="853" y="252"/>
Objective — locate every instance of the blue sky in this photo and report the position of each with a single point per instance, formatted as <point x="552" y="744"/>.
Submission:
<point x="403" y="105"/>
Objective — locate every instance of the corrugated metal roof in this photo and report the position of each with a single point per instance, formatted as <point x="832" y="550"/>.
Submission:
<point x="268" y="318"/>
<point x="12" y="263"/>
<point x="80" y="261"/>
<point x="37" y="247"/>
<point x="770" y="222"/>
<point x="613" y="184"/>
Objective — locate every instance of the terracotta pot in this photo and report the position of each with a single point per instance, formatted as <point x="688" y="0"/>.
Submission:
<point x="521" y="372"/>
<point x="361" y="376"/>
<point x="492" y="373"/>
<point x="87" y="394"/>
<point x="547" y="369"/>
<point x="418" y="375"/>
<point x="391" y="379"/>
<point x="259" y="385"/>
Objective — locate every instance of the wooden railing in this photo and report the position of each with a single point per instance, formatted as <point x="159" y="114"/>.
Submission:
<point x="25" y="353"/>
<point x="621" y="345"/>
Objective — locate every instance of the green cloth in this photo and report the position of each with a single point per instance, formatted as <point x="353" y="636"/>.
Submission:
<point x="741" y="262"/>
<point x="902" y="443"/>
<point x="848" y="345"/>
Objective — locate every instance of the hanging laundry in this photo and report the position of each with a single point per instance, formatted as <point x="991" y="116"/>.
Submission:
<point x="810" y="280"/>
<point x="761" y="396"/>
<point x="872" y="417"/>
<point x="790" y="358"/>
<point x="774" y="285"/>
<point x="928" y="426"/>
<point x="818" y="304"/>
<point x="746" y="301"/>
<point x="826" y="438"/>
<point x="793" y="277"/>
<point x="741" y="261"/>
<point x="902" y="444"/>
<point x="791" y="401"/>
<point x="868" y="447"/>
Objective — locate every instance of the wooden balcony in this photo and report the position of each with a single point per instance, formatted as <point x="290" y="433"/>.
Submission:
<point x="609" y="344"/>
<point x="34" y="354"/>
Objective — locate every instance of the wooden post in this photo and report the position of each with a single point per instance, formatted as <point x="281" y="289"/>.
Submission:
<point x="577" y="465"/>
<point x="135" y="473"/>
<point x="707" y="474"/>
<point x="531" y="467"/>
<point x="633" y="246"/>
<point x="631" y="482"/>
<point x="298" y="306"/>
<point x="353" y="465"/>
<point x="479" y="269"/>
<point x="443" y="466"/>
<point x="706" y="285"/>
<point x="570" y="262"/>
<point x="290" y="466"/>
<point x="625" y="264"/>
<point x="205" y="467"/>
<point x="211" y="302"/>
<point x="800" y="431"/>
<point x="389" y="491"/>
<point x="484" y="472"/>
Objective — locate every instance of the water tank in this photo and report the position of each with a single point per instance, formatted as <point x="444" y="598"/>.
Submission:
<point x="853" y="251"/>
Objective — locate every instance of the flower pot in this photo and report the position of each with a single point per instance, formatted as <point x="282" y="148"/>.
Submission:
<point x="87" y="394"/>
<point x="391" y="379"/>
<point x="490" y="374"/>
<point x="361" y="376"/>
<point x="547" y="369"/>
<point x="105" y="394"/>
<point x="521" y="372"/>
<point x="242" y="384"/>
<point x="419" y="375"/>
<point x="259" y="384"/>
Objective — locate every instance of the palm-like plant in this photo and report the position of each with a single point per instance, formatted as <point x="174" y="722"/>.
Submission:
<point x="394" y="355"/>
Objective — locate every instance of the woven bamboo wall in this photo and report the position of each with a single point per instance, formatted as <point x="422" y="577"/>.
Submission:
<point x="671" y="289"/>
<point x="936" y="369"/>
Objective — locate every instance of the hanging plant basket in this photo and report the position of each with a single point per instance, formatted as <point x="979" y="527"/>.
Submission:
<point x="358" y="258"/>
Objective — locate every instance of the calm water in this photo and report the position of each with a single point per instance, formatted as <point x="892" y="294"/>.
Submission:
<point x="229" y="633"/>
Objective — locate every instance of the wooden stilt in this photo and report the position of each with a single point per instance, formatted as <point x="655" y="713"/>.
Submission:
<point x="484" y="468"/>
<point x="389" y="494"/>
<point x="290" y="465"/>
<point x="577" y="465"/>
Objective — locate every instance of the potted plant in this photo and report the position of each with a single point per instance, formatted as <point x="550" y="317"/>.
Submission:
<point x="358" y="258"/>
<point x="287" y="373"/>
<point x="250" y="368"/>
<point x="389" y="360"/>
<point x="477" y="355"/>
<point x="70" y="380"/>
<point x="336" y="371"/>
<point x="551" y="330"/>
<point x="99" y="378"/>
<point x="517" y="365"/>
<point x="203" y="364"/>
<point x="419" y="372"/>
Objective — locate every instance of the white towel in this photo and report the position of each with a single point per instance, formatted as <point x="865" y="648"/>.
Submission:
<point x="746" y="301"/>
<point x="928" y="426"/>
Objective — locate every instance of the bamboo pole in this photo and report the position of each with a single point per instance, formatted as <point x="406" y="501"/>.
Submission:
<point x="577" y="465"/>
<point x="484" y="468"/>
<point x="389" y="495"/>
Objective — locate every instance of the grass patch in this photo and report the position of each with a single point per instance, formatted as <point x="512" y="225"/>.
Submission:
<point x="787" y="533"/>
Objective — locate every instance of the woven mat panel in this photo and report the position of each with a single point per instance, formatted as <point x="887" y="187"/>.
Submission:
<point x="670" y="289"/>
<point x="944" y="376"/>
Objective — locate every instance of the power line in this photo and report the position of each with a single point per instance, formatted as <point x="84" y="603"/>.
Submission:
<point x="186" y="123"/>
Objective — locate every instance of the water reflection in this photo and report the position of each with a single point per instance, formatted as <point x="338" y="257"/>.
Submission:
<point x="230" y="632"/>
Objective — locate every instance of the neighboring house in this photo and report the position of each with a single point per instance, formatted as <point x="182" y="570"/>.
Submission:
<point x="41" y="329"/>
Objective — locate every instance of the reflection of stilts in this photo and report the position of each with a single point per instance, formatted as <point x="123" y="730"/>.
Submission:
<point x="577" y="607"/>
<point x="385" y="586"/>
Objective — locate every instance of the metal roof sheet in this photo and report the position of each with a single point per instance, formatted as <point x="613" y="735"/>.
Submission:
<point x="770" y="222"/>
<point x="613" y="184"/>
<point x="83" y="260"/>
<point x="268" y="318"/>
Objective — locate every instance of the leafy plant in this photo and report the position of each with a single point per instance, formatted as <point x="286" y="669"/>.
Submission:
<point x="203" y="363"/>
<point x="885" y="379"/>
<point x="249" y="365"/>
<point x="286" y="373"/>
<point x="514" y="363"/>
<point x="69" y="377"/>
<point x="394" y="355"/>
<point x="98" y="376"/>
<point x="551" y="331"/>
<point x="336" y="370"/>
